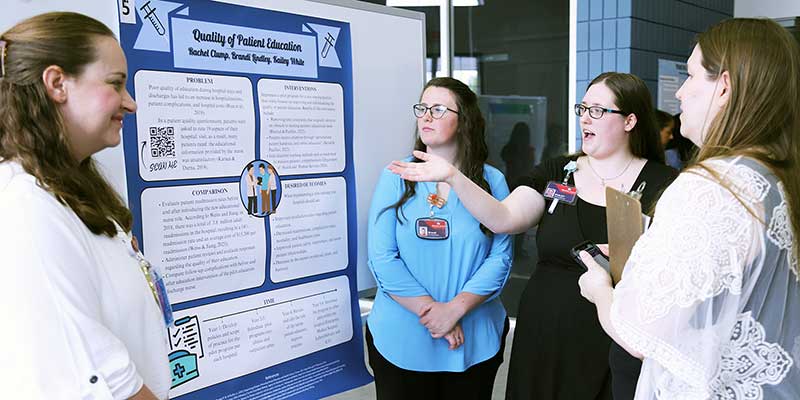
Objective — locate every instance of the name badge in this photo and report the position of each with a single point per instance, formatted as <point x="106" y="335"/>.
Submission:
<point x="561" y="192"/>
<point x="432" y="229"/>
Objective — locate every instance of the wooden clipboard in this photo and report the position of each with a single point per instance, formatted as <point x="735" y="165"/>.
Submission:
<point x="625" y="226"/>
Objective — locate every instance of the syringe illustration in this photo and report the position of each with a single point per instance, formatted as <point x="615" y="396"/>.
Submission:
<point x="329" y="41"/>
<point x="150" y="14"/>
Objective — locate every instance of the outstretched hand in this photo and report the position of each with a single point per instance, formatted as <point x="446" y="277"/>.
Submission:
<point x="432" y="169"/>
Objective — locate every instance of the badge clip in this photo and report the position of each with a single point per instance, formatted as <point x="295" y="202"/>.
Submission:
<point x="637" y="194"/>
<point x="570" y="168"/>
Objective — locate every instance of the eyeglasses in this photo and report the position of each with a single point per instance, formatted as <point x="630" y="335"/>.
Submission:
<point x="595" y="112"/>
<point x="437" y="110"/>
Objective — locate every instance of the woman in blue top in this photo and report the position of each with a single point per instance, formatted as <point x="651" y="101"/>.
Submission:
<point x="437" y="327"/>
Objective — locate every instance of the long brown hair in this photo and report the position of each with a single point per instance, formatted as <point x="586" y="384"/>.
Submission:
<point x="32" y="130"/>
<point x="761" y="119"/>
<point x="632" y="97"/>
<point x="471" y="148"/>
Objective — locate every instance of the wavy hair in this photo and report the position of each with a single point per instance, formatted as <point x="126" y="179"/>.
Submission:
<point x="471" y="148"/>
<point x="32" y="130"/>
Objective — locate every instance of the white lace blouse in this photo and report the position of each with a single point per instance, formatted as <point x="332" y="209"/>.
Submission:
<point x="709" y="296"/>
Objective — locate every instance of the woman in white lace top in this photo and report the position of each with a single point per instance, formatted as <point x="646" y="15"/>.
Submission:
<point x="710" y="297"/>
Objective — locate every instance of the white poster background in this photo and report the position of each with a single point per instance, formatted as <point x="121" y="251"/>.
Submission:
<point x="211" y="117"/>
<point x="272" y="327"/>
<point x="302" y="126"/>
<point x="202" y="240"/>
<point x="309" y="230"/>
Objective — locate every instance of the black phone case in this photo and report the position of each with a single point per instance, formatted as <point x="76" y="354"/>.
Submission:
<point x="590" y="248"/>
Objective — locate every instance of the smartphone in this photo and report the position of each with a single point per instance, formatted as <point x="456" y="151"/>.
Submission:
<point x="593" y="251"/>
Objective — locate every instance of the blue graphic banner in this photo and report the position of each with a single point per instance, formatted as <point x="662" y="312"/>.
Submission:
<point x="240" y="177"/>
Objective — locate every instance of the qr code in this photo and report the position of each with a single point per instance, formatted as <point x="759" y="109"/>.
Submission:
<point x="162" y="141"/>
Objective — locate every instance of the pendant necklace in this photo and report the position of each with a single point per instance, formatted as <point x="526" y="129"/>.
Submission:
<point x="434" y="199"/>
<point x="603" y="180"/>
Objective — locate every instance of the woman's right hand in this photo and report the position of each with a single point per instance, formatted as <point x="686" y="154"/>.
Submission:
<point x="596" y="280"/>
<point x="455" y="337"/>
<point x="432" y="169"/>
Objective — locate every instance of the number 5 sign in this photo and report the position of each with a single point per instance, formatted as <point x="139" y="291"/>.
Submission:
<point x="127" y="11"/>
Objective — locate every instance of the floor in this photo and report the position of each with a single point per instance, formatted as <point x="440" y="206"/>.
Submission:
<point x="368" y="392"/>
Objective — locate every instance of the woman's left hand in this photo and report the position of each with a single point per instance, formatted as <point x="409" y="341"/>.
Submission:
<point x="439" y="318"/>
<point x="595" y="280"/>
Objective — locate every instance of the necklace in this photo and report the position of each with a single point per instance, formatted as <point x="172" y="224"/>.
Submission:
<point x="603" y="180"/>
<point x="434" y="199"/>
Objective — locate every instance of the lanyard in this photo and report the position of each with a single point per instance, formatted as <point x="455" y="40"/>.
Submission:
<point x="155" y="282"/>
<point x="570" y="168"/>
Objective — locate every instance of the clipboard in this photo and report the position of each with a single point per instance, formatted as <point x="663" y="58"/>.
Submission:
<point x="624" y="226"/>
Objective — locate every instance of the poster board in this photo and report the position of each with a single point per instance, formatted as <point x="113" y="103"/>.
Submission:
<point x="671" y="75"/>
<point x="386" y="49"/>
<point x="389" y="46"/>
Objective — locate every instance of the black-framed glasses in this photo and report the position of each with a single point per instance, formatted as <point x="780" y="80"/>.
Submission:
<point x="595" y="112"/>
<point x="437" y="110"/>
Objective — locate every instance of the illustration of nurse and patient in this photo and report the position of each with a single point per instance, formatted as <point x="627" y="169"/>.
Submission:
<point x="262" y="189"/>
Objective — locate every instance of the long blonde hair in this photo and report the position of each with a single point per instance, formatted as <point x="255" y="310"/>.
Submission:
<point x="761" y="119"/>
<point x="32" y="130"/>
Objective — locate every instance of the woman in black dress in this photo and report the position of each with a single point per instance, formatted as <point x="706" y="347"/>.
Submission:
<point x="560" y="351"/>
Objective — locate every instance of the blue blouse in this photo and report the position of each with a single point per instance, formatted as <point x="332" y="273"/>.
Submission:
<point x="405" y="265"/>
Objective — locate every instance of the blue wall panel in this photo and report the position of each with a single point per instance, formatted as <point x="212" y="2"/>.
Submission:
<point x="609" y="34"/>
<point x="583" y="36"/>
<point x="583" y="10"/>
<point x="609" y="60"/>
<point x="624" y="8"/>
<point x="609" y="9"/>
<point x="632" y="35"/>
<point x="595" y="63"/>
<point x="595" y="35"/>
<point x="582" y="66"/>
<point x="595" y="9"/>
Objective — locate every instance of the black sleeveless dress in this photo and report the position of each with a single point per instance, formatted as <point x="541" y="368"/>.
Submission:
<point x="560" y="351"/>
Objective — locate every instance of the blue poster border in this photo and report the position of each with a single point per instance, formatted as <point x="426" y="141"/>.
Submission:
<point x="349" y="353"/>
